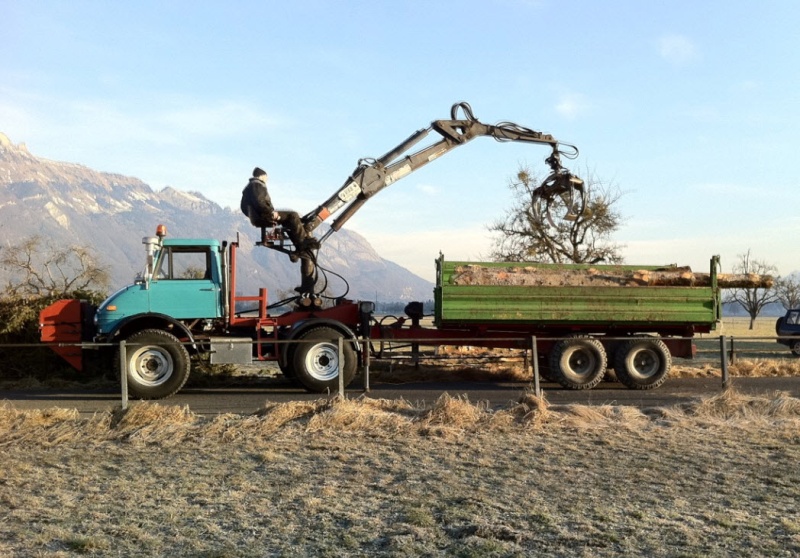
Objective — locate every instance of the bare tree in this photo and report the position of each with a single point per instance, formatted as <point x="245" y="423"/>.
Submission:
<point x="37" y="267"/>
<point x="788" y="290"/>
<point x="752" y="300"/>
<point x="526" y="234"/>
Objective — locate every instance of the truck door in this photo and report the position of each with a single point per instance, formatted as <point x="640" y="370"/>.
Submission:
<point x="186" y="283"/>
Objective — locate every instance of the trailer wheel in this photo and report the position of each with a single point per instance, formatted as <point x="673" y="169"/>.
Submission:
<point x="316" y="363"/>
<point x="642" y="363"/>
<point x="578" y="363"/>
<point x="546" y="374"/>
<point x="157" y="364"/>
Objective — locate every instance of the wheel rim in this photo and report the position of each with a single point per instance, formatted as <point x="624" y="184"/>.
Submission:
<point x="580" y="362"/>
<point x="152" y="366"/>
<point x="322" y="362"/>
<point x="644" y="363"/>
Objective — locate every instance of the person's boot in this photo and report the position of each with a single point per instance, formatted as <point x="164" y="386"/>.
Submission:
<point x="311" y="243"/>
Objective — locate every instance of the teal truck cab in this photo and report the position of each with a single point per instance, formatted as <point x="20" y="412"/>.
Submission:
<point x="182" y="281"/>
<point x="185" y="302"/>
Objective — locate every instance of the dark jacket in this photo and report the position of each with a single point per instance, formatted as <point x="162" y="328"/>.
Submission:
<point x="256" y="203"/>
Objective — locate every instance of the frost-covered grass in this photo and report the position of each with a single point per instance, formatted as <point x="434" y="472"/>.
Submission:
<point x="718" y="477"/>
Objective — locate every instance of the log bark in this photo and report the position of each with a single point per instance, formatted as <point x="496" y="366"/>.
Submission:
<point x="514" y="275"/>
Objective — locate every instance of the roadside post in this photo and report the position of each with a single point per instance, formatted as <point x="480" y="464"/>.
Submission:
<point x="123" y="373"/>
<point x="723" y="355"/>
<point x="365" y="344"/>
<point x="340" y="348"/>
<point x="537" y="390"/>
<point x="366" y="314"/>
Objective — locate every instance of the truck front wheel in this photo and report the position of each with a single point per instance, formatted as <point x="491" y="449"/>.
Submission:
<point x="316" y="362"/>
<point x="642" y="363"/>
<point x="157" y="364"/>
<point x="578" y="363"/>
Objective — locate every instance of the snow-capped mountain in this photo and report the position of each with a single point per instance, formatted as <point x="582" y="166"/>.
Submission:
<point x="110" y="213"/>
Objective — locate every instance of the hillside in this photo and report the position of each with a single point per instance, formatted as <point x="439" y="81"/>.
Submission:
<point x="73" y="204"/>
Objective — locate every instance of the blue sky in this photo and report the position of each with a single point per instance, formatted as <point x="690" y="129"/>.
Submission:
<point x="690" y="108"/>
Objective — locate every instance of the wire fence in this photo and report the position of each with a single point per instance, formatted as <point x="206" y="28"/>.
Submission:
<point x="722" y="351"/>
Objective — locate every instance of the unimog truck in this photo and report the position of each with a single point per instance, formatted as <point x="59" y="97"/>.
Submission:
<point x="186" y="301"/>
<point x="585" y="319"/>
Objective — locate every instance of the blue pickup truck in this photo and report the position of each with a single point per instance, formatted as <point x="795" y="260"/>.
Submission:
<point x="788" y="330"/>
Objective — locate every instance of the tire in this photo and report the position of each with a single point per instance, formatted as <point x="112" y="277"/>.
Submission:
<point x="642" y="363"/>
<point x="546" y="375"/>
<point x="578" y="363"/>
<point x="288" y="369"/>
<point x="316" y="364"/>
<point x="157" y="364"/>
<point x="794" y="346"/>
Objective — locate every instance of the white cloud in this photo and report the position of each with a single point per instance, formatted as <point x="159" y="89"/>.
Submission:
<point x="223" y="119"/>
<point x="729" y="189"/>
<point x="748" y="86"/>
<point x="572" y="105"/>
<point x="428" y="189"/>
<point x="695" y="249"/>
<point x="677" y="49"/>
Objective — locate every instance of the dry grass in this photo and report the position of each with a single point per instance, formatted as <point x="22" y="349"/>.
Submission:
<point x="740" y="327"/>
<point x="363" y="477"/>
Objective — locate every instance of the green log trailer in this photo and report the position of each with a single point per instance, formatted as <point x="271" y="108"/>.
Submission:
<point x="580" y="331"/>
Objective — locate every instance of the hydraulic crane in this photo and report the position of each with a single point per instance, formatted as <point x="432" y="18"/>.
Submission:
<point x="373" y="175"/>
<point x="560" y="196"/>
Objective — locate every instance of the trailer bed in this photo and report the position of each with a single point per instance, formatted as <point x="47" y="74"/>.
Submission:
<point x="645" y="307"/>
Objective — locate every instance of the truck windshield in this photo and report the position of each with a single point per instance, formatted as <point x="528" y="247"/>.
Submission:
<point x="179" y="262"/>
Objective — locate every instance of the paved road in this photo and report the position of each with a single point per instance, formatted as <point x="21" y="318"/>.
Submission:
<point x="247" y="399"/>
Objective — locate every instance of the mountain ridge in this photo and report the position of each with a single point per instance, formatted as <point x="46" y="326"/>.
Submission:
<point x="74" y="204"/>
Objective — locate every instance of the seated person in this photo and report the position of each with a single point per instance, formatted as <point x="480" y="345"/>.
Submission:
<point x="257" y="205"/>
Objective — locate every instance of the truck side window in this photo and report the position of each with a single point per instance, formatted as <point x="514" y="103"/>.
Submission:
<point x="792" y="318"/>
<point x="185" y="263"/>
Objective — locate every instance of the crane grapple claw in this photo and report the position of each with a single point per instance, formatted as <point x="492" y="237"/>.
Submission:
<point x="560" y="197"/>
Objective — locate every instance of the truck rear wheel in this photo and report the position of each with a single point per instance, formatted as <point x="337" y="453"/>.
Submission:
<point x="157" y="364"/>
<point x="316" y="362"/>
<point x="642" y="363"/>
<point x="578" y="363"/>
<point x="287" y="369"/>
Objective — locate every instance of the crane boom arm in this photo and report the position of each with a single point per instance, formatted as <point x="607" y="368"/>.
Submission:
<point x="373" y="175"/>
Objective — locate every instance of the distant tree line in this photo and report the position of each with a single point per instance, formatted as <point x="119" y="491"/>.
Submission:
<point x="785" y="291"/>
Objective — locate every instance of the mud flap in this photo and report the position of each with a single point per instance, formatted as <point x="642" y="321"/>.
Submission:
<point x="61" y="322"/>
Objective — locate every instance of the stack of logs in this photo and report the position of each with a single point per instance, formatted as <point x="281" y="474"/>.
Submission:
<point x="531" y="275"/>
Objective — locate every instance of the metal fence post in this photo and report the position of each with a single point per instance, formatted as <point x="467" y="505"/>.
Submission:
<point x="123" y="373"/>
<point x="723" y="354"/>
<point x="537" y="389"/>
<point x="340" y="348"/>
<point x="365" y="342"/>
